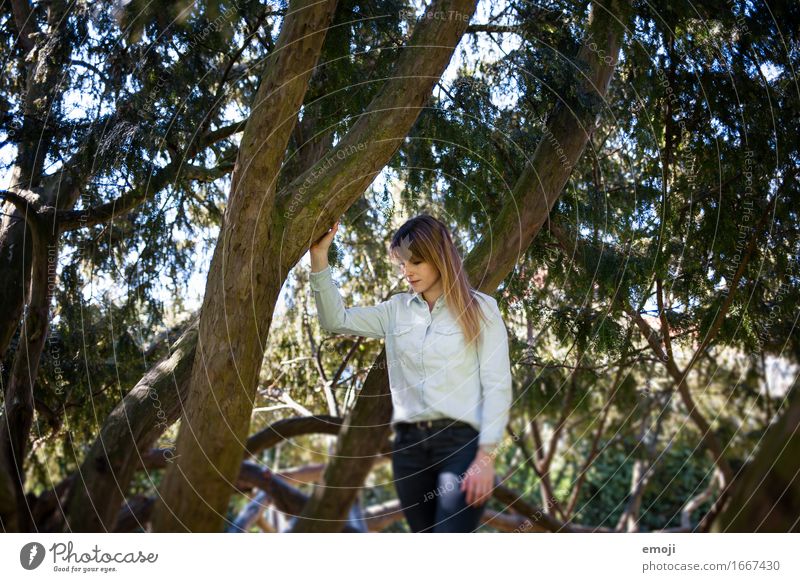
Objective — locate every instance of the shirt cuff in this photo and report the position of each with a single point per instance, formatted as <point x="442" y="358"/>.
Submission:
<point x="489" y="448"/>
<point x="491" y="433"/>
<point x="321" y="279"/>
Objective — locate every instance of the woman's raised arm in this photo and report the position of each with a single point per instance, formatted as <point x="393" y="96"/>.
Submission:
<point x="372" y="321"/>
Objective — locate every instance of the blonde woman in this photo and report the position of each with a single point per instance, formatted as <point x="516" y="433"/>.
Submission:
<point x="449" y="374"/>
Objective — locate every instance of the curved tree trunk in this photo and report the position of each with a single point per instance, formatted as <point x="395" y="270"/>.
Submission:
<point x="152" y="406"/>
<point x="115" y="455"/>
<point x="47" y="56"/>
<point x="765" y="495"/>
<point x="242" y="280"/>
<point x="17" y="418"/>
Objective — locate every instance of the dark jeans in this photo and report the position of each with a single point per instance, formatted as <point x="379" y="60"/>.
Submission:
<point x="429" y="465"/>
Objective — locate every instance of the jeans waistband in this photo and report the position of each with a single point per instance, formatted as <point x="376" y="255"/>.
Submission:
<point x="434" y="423"/>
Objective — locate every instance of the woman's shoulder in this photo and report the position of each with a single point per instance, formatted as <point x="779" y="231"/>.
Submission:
<point x="485" y="298"/>
<point x="399" y="296"/>
<point x="488" y="305"/>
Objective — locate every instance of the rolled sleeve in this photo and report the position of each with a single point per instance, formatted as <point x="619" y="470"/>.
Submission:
<point x="372" y="321"/>
<point x="495" y="376"/>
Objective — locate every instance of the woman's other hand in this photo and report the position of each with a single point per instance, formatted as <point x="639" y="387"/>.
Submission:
<point x="479" y="479"/>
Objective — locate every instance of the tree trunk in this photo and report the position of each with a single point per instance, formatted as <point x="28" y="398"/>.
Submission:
<point x="145" y="412"/>
<point x="48" y="53"/>
<point x="114" y="457"/>
<point x="242" y="283"/>
<point x="320" y="196"/>
<point x="765" y="495"/>
<point x="15" y="424"/>
<point x="568" y="130"/>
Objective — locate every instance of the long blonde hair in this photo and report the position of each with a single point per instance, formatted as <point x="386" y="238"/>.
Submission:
<point x="425" y="238"/>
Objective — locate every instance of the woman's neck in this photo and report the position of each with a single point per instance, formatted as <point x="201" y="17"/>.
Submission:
<point x="431" y="296"/>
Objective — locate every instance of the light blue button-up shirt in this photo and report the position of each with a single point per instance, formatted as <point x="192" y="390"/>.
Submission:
<point x="432" y="372"/>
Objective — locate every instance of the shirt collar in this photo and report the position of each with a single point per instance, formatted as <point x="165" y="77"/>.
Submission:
<point x="418" y="296"/>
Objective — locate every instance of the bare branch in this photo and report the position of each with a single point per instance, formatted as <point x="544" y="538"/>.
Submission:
<point x="73" y="219"/>
<point x="23" y="199"/>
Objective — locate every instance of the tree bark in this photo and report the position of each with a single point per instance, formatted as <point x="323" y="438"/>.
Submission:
<point x="319" y="196"/>
<point x="124" y="447"/>
<point x="240" y="290"/>
<point x="568" y="130"/>
<point x="165" y="383"/>
<point x="534" y="195"/>
<point x="61" y="191"/>
<point x="765" y="495"/>
<point x="283" y="496"/>
<point x="17" y="418"/>
<point x="9" y="517"/>
<point x="47" y="54"/>
<point x="145" y="412"/>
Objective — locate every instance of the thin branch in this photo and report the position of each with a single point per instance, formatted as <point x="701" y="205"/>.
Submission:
<point x="665" y="328"/>
<point x="73" y="219"/>
<point x="494" y="28"/>
<point x="23" y="199"/>
<point x="92" y="68"/>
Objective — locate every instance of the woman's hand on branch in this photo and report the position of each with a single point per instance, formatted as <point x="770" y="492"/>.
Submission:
<point x="324" y="242"/>
<point x="319" y="249"/>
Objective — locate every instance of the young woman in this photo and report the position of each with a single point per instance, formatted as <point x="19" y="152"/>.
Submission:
<point x="449" y="374"/>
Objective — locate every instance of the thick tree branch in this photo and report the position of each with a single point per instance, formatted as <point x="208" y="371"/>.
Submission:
<point x="142" y="416"/>
<point x="322" y="193"/>
<point x="195" y="490"/>
<point x="23" y="200"/>
<point x="567" y="132"/>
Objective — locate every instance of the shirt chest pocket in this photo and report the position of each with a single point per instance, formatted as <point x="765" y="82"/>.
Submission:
<point x="448" y="342"/>
<point x="405" y="340"/>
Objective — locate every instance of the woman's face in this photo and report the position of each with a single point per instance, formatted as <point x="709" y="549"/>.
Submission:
<point x="421" y="275"/>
